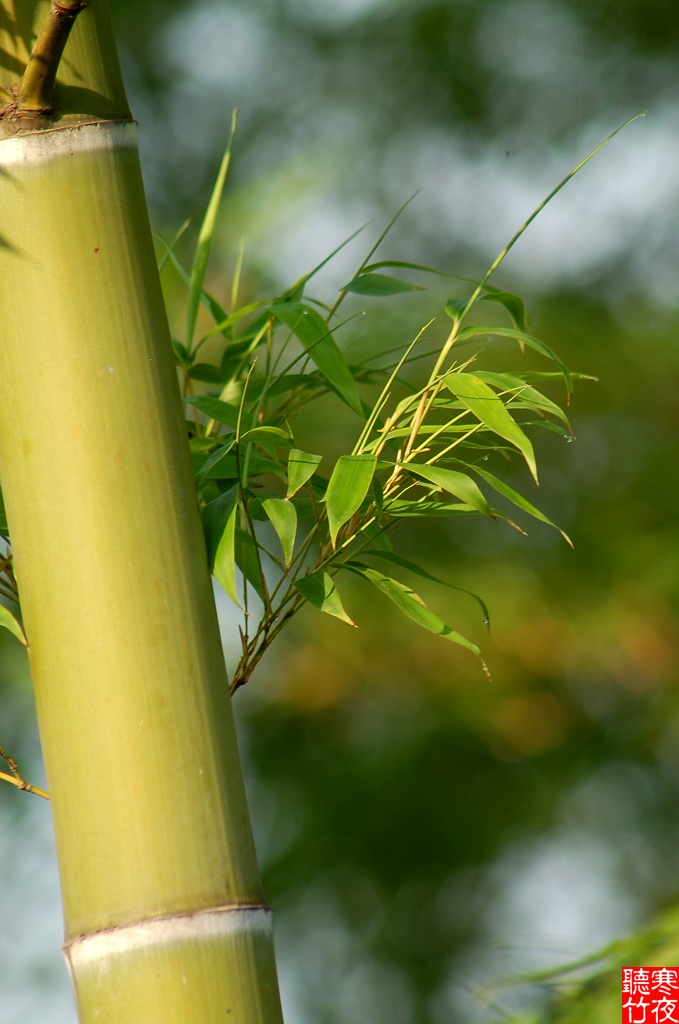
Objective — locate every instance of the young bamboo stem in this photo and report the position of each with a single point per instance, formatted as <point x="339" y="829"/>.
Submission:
<point x="164" y="914"/>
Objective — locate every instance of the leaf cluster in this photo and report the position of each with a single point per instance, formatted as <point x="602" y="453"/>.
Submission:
<point x="285" y="523"/>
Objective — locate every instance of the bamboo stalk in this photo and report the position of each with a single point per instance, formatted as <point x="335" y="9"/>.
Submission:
<point x="163" y="908"/>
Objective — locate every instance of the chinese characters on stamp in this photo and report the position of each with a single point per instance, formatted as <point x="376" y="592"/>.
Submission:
<point x="650" y="995"/>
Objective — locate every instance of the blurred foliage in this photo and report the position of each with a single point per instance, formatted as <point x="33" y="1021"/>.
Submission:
<point x="425" y="833"/>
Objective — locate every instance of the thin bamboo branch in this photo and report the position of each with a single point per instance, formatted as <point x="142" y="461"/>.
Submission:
<point x="36" y="91"/>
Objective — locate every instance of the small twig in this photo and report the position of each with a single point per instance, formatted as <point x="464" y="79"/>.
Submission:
<point x="16" y="778"/>
<point x="36" y="91"/>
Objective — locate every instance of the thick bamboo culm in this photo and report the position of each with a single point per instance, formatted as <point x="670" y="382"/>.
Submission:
<point x="163" y="908"/>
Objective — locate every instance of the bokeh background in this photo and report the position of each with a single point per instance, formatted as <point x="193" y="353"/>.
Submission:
<point x="426" y="833"/>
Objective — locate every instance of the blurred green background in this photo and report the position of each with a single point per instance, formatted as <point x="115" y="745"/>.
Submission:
<point x="425" y="833"/>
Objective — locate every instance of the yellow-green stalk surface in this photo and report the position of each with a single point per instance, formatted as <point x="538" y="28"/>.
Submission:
<point x="163" y="907"/>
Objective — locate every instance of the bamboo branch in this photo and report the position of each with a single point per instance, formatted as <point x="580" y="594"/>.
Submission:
<point x="16" y="778"/>
<point x="36" y="91"/>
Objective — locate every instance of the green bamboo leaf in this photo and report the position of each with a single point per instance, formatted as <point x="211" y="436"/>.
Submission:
<point x="405" y="563"/>
<point x="348" y="486"/>
<point x="3" y="517"/>
<point x="412" y="605"/>
<point x="319" y="590"/>
<point x="525" y="395"/>
<point x="314" y="333"/>
<point x="221" y="412"/>
<point x="283" y="517"/>
<point x="301" y="467"/>
<point x="458" y="484"/>
<point x="227" y="467"/>
<point x="426" y="507"/>
<point x="379" y="285"/>
<point x="205" y="236"/>
<point x="182" y="356"/>
<point x="219" y="523"/>
<point x="454" y="308"/>
<point x="403" y="265"/>
<point x="217" y="459"/>
<point x="206" y="373"/>
<point x="288" y="382"/>
<point x="267" y="435"/>
<point x="518" y="499"/>
<point x="525" y="339"/>
<point x="489" y="408"/>
<point x="249" y="564"/>
<point x="10" y="622"/>
<point x="513" y="304"/>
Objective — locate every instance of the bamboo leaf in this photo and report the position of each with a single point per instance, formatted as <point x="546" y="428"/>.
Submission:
<point x="518" y="499"/>
<point x="227" y="467"/>
<point x="267" y="435"/>
<point x="405" y="563"/>
<point x="3" y="517"/>
<point x="454" y="308"/>
<point x="348" y="486"/>
<point x="412" y="605"/>
<point x="427" y="507"/>
<point x="182" y="356"/>
<point x="249" y="563"/>
<point x="222" y="412"/>
<point x="489" y="408"/>
<point x="319" y="590"/>
<point x="513" y="304"/>
<point x="314" y="333"/>
<point x="301" y="467"/>
<point x="523" y="393"/>
<point x="526" y="339"/>
<point x="10" y="622"/>
<point x="403" y="265"/>
<point x="458" y="484"/>
<point x="219" y="522"/>
<point x="380" y="285"/>
<point x="217" y="459"/>
<point x="283" y="517"/>
<point x="206" y="373"/>
<point x="205" y="236"/>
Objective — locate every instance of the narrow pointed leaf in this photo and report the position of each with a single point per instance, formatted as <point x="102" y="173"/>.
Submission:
<point x="427" y="507"/>
<point x="349" y="484"/>
<point x="283" y="517"/>
<point x="219" y="521"/>
<point x="454" y="308"/>
<point x="403" y="265"/>
<point x="221" y="412"/>
<point x="319" y="590"/>
<point x="513" y="304"/>
<point x="458" y="484"/>
<point x="379" y="285"/>
<point x="412" y="605"/>
<point x="267" y="435"/>
<point x="485" y="404"/>
<point x="314" y="333"/>
<point x="524" y="393"/>
<point x="518" y="499"/>
<point x="3" y="517"/>
<point x="249" y="564"/>
<point x="301" y="467"/>
<point x="10" y="622"/>
<point x="206" y="373"/>
<point x="405" y="563"/>
<point x="205" y="236"/>
<point x="212" y="465"/>
<point x="525" y="339"/>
